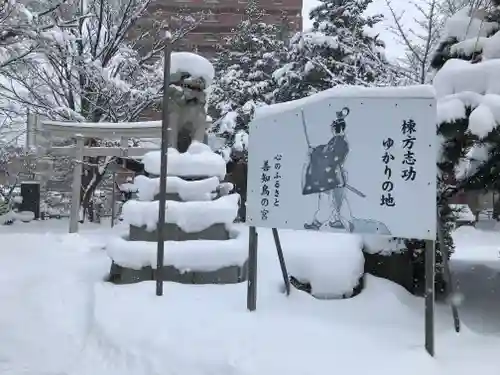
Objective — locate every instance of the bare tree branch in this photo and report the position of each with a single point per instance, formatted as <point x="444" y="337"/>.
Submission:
<point x="420" y="42"/>
<point x="86" y="65"/>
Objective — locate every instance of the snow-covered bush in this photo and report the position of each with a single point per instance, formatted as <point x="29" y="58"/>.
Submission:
<point x="467" y="82"/>
<point x="5" y="213"/>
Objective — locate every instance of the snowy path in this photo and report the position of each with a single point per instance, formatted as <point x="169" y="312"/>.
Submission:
<point x="476" y="270"/>
<point x="58" y="317"/>
<point x="45" y="294"/>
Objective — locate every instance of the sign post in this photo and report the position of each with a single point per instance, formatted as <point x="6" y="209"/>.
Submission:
<point x="445" y="252"/>
<point x="353" y="161"/>
<point x="430" y="300"/>
<point x="252" y="270"/>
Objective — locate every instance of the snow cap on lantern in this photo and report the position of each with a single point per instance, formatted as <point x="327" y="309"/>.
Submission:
<point x="199" y="160"/>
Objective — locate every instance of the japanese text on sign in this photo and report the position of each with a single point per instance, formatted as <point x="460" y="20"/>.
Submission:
<point x="265" y="193"/>
<point x="387" y="199"/>
<point x="277" y="179"/>
<point x="408" y="129"/>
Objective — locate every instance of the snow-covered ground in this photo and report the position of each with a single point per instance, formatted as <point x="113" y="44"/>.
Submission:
<point x="58" y="316"/>
<point x="476" y="268"/>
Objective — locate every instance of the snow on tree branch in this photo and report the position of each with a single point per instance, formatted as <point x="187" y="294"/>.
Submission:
<point x="466" y="82"/>
<point x="94" y="71"/>
<point x="244" y="68"/>
<point x="20" y="26"/>
<point x="340" y="49"/>
<point x="99" y="61"/>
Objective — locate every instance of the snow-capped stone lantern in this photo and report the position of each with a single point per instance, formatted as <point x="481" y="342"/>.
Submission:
<point x="202" y="246"/>
<point x="196" y="207"/>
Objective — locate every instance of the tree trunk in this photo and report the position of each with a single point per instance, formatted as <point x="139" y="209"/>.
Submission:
<point x="91" y="178"/>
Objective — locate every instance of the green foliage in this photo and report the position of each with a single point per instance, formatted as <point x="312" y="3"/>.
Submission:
<point x="338" y="50"/>
<point x="244" y="67"/>
<point x="457" y="143"/>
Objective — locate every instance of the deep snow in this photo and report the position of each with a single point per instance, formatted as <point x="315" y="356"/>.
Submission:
<point x="59" y="317"/>
<point x="476" y="269"/>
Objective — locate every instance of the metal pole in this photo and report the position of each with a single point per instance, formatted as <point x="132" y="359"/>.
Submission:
<point x="430" y="273"/>
<point x="163" y="172"/>
<point x="77" y="184"/>
<point x="252" y="270"/>
<point x="281" y="258"/>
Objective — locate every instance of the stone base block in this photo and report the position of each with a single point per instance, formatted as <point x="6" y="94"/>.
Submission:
<point x="171" y="197"/>
<point x="305" y="286"/>
<point x="123" y="275"/>
<point x="172" y="232"/>
<point x="224" y="275"/>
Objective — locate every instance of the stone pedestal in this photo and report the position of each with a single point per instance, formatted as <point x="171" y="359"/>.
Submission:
<point x="233" y="267"/>
<point x="171" y="232"/>
<point x="223" y="275"/>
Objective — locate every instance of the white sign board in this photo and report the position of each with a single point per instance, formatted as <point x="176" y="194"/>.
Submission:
<point x="350" y="164"/>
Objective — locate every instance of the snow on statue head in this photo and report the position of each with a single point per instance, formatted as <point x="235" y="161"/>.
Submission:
<point x="190" y="76"/>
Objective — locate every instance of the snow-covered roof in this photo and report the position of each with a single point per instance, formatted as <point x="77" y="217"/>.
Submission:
<point x="194" y="64"/>
<point x="105" y="129"/>
<point x="139" y="129"/>
<point x="417" y="91"/>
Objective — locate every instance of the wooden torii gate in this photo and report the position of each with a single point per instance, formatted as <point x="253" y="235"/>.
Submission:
<point x="38" y="129"/>
<point x="81" y="130"/>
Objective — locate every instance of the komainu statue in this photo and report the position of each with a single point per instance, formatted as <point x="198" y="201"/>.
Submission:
<point x="187" y="114"/>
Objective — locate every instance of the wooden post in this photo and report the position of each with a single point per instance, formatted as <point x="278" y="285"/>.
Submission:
<point x="124" y="154"/>
<point x="430" y="273"/>
<point x="77" y="184"/>
<point x="124" y="146"/>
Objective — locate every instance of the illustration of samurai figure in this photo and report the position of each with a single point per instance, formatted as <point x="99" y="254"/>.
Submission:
<point x="325" y="176"/>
